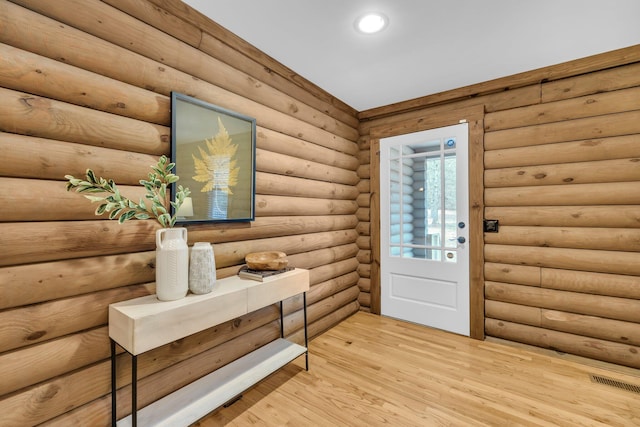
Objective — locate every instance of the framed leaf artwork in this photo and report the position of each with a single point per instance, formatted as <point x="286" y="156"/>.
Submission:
<point x="214" y="150"/>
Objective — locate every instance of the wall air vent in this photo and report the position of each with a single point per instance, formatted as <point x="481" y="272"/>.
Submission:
<point x="615" y="383"/>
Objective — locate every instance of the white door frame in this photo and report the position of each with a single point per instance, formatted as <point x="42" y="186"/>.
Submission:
<point x="418" y="284"/>
<point x="475" y="117"/>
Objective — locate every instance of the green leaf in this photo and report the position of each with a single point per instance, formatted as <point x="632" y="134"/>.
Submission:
<point x="95" y="198"/>
<point x="142" y="215"/>
<point x="128" y="215"/>
<point x="93" y="190"/>
<point x="184" y="191"/>
<point x="114" y="213"/>
<point x="101" y="209"/>
<point x="83" y="189"/>
<point x="163" y="220"/>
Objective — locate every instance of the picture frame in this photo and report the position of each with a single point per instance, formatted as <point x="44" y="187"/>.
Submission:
<point x="214" y="150"/>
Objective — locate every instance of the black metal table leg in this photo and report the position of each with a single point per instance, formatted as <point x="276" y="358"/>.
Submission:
<point x="306" y="338"/>
<point x="114" y="391"/>
<point x="281" y="321"/>
<point x="134" y="390"/>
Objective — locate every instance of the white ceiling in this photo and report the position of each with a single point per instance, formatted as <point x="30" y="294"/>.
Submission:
<point x="430" y="46"/>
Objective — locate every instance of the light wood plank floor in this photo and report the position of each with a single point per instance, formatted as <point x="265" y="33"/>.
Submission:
<point x="371" y="371"/>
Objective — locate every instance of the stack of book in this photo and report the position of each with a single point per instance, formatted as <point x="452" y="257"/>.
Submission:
<point x="259" y="275"/>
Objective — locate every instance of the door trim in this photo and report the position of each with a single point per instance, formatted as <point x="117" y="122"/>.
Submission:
<point x="475" y="117"/>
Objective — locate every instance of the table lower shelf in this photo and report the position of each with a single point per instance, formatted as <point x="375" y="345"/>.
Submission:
<point x="192" y="402"/>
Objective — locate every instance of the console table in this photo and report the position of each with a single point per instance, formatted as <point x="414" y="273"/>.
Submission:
<point x="144" y="323"/>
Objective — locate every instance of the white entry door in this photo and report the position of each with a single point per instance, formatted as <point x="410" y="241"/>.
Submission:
<point x="424" y="215"/>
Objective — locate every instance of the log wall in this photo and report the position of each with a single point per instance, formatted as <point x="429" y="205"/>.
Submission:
<point x="532" y="197"/>
<point x="86" y="84"/>
<point x="561" y="172"/>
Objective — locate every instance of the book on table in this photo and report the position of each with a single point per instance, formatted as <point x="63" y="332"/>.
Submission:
<point x="259" y="275"/>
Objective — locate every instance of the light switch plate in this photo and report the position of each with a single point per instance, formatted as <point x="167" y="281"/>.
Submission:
<point x="491" y="225"/>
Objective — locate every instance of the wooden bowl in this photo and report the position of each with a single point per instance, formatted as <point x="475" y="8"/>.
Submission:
<point x="272" y="260"/>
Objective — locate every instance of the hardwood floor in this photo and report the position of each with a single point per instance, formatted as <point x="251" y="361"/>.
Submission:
<point x="371" y="371"/>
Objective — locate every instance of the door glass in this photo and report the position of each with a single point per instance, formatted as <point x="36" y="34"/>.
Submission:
<point x="423" y="201"/>
<point x="449" y="190"/>
<point x="395" y="225"/>
<point x="432" y="219"/>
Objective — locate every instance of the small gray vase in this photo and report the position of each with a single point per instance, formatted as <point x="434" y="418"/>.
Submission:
<point x="202" y="268"/>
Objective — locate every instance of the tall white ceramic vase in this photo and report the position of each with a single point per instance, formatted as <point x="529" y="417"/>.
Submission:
<point x="202" y="268"/>
<point x="172" y="263"/>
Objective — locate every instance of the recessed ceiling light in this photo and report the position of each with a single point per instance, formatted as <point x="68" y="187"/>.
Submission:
<point x="371" y="23"/>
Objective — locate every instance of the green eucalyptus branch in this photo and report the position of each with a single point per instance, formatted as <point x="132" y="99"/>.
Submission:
<point x="124" y="209"/>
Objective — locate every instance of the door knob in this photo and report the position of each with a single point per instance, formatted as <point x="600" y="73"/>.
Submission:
<point x="461" y="239"/>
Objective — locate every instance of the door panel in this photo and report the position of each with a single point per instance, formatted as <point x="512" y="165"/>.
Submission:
<point x="424" y="234"/>
<point x="428" y="292"/>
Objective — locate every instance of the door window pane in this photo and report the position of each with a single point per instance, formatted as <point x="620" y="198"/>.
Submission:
<point x="449" y="189"/>
<point x="427" y="147"/>
<point x="423" y="200"/>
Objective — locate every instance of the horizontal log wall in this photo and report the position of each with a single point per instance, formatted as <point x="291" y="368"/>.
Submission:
<point x="563" y="178"/>
<point x="562" y="175"/>
<point x="364" y="225"/>
<point x="86" y="84"/>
